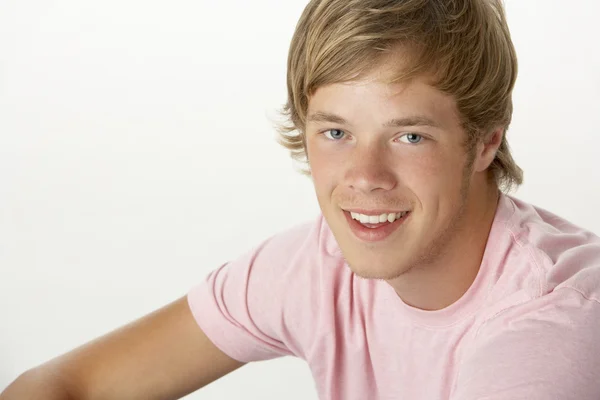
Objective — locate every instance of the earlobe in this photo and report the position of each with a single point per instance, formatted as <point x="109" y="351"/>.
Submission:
<point x="487" y="149"/>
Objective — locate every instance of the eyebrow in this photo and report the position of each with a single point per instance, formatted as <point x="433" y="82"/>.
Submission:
<point x="414" y="120"/>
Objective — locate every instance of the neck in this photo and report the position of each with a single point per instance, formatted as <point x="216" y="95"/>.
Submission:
<point x="439" y="284"/>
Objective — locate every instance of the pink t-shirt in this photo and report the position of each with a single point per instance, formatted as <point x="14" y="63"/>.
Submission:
<point x="527" y="328"/>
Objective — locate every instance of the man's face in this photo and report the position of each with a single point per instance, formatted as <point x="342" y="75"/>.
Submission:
<point x="374" y="149"/>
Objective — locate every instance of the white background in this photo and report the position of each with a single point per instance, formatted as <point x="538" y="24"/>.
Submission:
<point x="137" y="153"/>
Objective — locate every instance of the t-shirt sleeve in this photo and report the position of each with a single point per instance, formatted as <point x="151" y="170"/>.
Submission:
<point x="255" y="307"/>
<point x="549" y="349"/>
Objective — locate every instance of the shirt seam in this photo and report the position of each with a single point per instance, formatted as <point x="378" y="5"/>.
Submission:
<point x="585" y="296"/>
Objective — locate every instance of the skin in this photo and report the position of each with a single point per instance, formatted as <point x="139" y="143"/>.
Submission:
<point x="359" y="163"/>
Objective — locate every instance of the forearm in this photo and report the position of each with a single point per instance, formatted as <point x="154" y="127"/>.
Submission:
<point x="37" y="384"/>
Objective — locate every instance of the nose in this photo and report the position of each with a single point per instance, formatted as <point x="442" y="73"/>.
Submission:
<point x="369" y="170"/>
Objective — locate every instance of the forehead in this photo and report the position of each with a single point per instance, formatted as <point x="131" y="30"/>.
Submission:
<point x="374" y="97"/>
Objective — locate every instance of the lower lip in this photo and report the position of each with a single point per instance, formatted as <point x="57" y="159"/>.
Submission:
<point x="373" y="234"/>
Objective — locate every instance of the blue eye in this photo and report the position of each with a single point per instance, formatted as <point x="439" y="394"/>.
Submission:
<point x="413" y="138"/>
<point x="334" y="134"/>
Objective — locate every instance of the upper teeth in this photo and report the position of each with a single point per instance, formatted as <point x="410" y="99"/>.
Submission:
<point x="374" y="219"/>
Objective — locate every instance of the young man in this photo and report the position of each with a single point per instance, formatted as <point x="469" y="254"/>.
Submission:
<point x="422" y="279"/>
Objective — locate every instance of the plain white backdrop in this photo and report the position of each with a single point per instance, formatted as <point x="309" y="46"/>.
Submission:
<point x="137" y="153"/>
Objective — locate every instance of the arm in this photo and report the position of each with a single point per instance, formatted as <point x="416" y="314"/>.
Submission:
<point x="164" y="355"/>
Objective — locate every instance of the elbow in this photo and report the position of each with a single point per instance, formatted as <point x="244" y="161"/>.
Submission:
<point x="40" y="383"/>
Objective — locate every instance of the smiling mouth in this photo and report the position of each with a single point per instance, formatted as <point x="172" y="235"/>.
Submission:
<point x="377" y="219"/>
<point x="375" y="231"/>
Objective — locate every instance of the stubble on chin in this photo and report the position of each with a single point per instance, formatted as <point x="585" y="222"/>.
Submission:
<point x="436" y="249"/>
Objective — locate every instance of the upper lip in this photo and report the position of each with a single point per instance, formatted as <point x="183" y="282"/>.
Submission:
<point x="373" y="212"/>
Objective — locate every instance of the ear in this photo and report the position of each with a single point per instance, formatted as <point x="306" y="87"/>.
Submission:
<point x="487" y="149"/>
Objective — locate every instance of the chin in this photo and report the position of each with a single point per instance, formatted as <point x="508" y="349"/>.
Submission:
<point x="372" y="269"/>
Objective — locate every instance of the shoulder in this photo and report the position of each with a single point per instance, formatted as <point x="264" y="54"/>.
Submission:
<point x="556" y="251"/>
<point x="266" y="302"/>
<point x="299" y="243"/>
<point x="290" y="259"/>
<point x="290" y="281"/>
<point x="544" y="348"/>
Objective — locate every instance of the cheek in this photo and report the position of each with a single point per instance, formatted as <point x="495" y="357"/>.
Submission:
<point x="432" y="178"/>
<point x="441" y="166"/>
<point x="425" y="170"/>
<point x="321" y="167"/>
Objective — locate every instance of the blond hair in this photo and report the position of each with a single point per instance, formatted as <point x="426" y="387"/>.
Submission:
<point x="464" y="44"/>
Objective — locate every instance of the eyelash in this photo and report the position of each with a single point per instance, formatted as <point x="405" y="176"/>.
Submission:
<point x="333" y="139"/>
